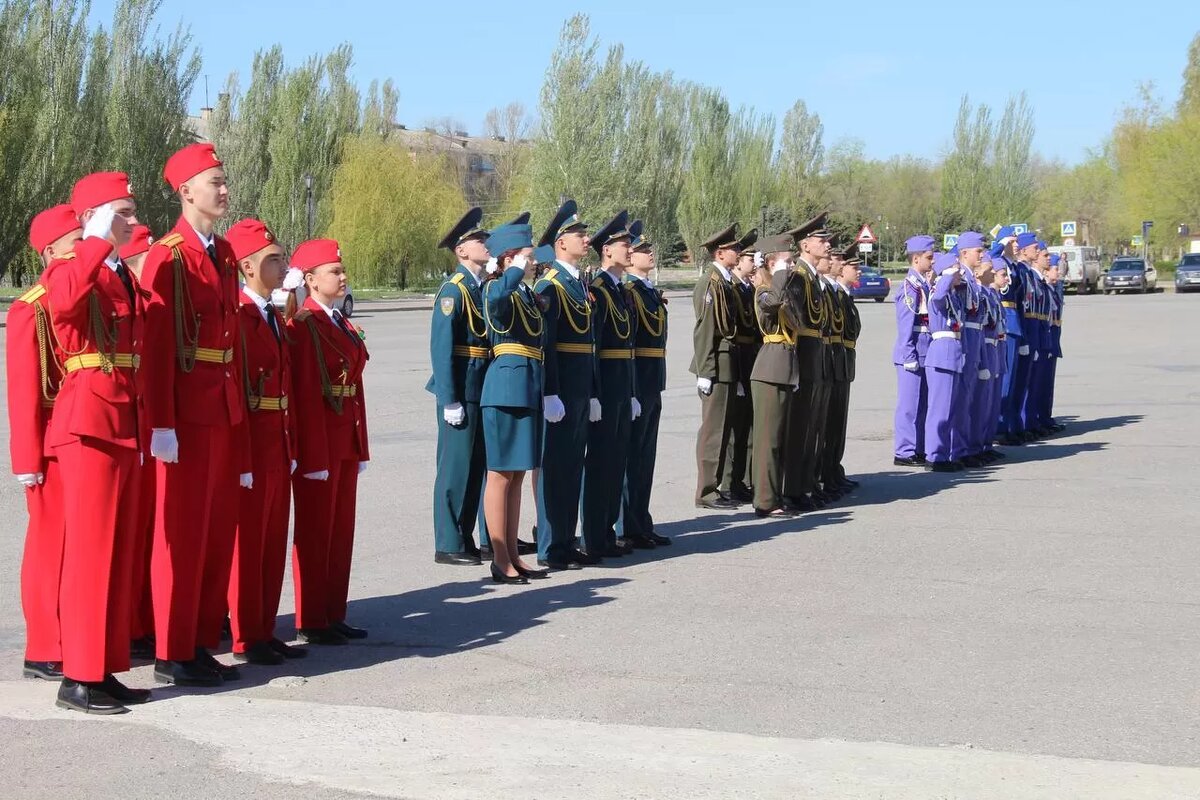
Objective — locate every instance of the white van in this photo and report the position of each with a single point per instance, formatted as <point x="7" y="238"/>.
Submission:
<point x="1083" y="268"/>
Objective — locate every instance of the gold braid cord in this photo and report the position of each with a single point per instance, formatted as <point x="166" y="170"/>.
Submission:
<point x="522" y="310"/>
<point x="651" y="323"/>
<point x="185" y="338"/>
<point x="618" y="318"/>
<point x="470" y="312"/>
<point x="253" y="399"/>
<point x="566" y="302"/>
<point x="720" y="305"/>
<point x="815" y="307"/>
<point x="335" y="401"/>
<point x="105" y="339"/>
<point x="838" y="314"/>
<point x="41" y="326"/>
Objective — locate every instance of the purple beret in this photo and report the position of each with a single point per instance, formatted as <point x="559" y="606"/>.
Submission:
<point x="1054" y="259"/>
<point x="1026" y="239"/>
<point x="968" y="239"/>
<point x="943" y="262"/>
<point x="918" y="244"/>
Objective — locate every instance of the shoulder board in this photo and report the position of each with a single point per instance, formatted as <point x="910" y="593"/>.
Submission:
<point x="302" y="315"/>
<point x="456" y="278"/>
<point x="68" y="257"/>
<point x="551" y="275"/>
<point x="597" y="282"/>
<point x="171" y="240"/>
<point x="34" y="294"/>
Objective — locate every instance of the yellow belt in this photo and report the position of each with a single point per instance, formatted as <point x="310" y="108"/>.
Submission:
<point x="650" y="352"/>
<point x="343" y="391"/>
<point x="776" y="338"/>
<point x="824" y="340"/>
<point x="835" y="340"/>
<point x="621" y="353"/>
<point x="809" y="332"/>
<point x="278" y="403"/>
<point x="211" y="356"/>
<point x="1008" y="304"/>
<point x="572" y="347"/>
<point x="514" y="349"/>
<point x="98" y="361"/>
<point x="470" y="351"/>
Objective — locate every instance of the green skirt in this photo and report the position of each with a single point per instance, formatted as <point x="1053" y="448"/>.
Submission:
<point x="512" y="438"/>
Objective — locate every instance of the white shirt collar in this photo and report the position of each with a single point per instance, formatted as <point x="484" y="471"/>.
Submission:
<point x="470" y="270"/>
<point x="811" y="269"/>
<point x="572" y="271"/>
<point x="646" y="281"/>
<point x="205" y="241"/>
<point x="324" y="308"/>
<point x="113" y="262"/>
<point x="616" y="281"/>
<point x="261" y="302"/>
<point x="726" y="274"/>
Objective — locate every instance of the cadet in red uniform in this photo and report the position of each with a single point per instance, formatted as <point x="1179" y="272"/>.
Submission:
<point x="328" y="357"/>
<point x="260" y="549"/>
<point x="133" y="255"/>
<point x="194" y="401"/>
<point x="97" y="323"/>
<point x="34" y="375"/>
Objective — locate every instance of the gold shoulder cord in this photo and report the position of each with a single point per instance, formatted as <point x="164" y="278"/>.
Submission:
<point x="253" y="399"/>
<point x="815" y="306"/>
<point x="105" y="339"/>
<point x="618" y="318"/>
<point x="720" y="306"/>
<point x="839" y="316"/>
<point x="521" y="311"/>
<point x="567" y="303"/>
<point x="186" y="338"/>
<point x="335" y="401"/>
<point x="652" y="324"/>
<point x="471" y="313"/>
<point x="44" y="332"/>
<point x="747" y="317"/>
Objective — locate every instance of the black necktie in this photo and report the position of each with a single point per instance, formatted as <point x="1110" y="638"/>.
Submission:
<point x="123" y="274"/>
<point x="271" y="321"/>
<point x="211" y="249"/>
<point x="341" y="323"/>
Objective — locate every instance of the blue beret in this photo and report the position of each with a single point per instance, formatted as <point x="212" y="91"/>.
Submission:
<point x="1054" y="259"/>
<point x="918" y="244"/>
<point x="997" y="249"/>
<point x="509" y="237"/>
<point x="1006" y="232"/>
<point x="1041" y="245"/>
<point x="1026" y="239"/>
<point x="999" y="265"/>
<point x="968" y="239"/>
<point x="943" y="262"/>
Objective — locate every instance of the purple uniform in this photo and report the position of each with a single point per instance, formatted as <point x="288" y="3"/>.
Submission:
<point x="908" y="354"/>
<point x="962" y="438"/>
<point x="944" y="361"/>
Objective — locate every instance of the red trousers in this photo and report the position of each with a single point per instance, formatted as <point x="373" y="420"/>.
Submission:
<point x="323" y="542"/>
<point x="41" y="567"/>
<point x="259" y="557"/>
<point x="195" y="515"/>
<point x="100" y="514"/>
<point x="142" y="606"/>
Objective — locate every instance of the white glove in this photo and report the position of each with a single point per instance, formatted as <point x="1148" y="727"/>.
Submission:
<point x="362" y="467"/>
<point x="704" y="385"/>
<point x="519" y="261"/>
<point x="30" y="479"/>
<point x="553" y="408"/>
<point x="323" y="475"/>
<point x="1035" y="355"/>
<point x="741" y="390"/>
<point x="164" y="445"/>
<point x="100" y="225"/>
<point x="952" y="271"/>
<point x="594" y="411"/>
<point x="912" y="366"/>
<point x="292" y="468"/>
<point x="637" y="408"/>
<point x="454" y="414"/>
<point x="985" y="374"/>
<point x="293" y="279"/>
<point x="1023" y="350"/>
<point x="758" y="258"/>
<point x="492" y="266"/>
<point x="246" y="479"/>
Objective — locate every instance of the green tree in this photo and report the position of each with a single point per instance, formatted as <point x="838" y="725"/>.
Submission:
<point x="706" y="202"/>
<point x="1189" y="94"/>
<point x="966" y="189"/>
<point x="798" y="165"/>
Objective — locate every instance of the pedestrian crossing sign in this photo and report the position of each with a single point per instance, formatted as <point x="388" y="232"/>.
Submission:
<point x="949" y="240"/>
<point x="1068" y="229"/>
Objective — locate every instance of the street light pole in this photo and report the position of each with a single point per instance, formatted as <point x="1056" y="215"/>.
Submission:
<point x="762" y="230"/>
<point x="308" y="201"/>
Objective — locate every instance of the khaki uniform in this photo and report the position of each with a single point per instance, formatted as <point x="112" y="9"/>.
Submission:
<point x="805" y="301"/>
<point x="715" y="357"/>
<point x="773" y="382"/>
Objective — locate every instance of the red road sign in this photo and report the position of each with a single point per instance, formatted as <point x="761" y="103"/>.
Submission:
<point x="865" y="236"/>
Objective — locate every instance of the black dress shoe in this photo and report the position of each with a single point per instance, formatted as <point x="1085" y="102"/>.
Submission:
<point x="623" y="544"/>
<point x="260" y="653"/>
<point x="614" y="551"/>
<point x="458" y="559"/>
<point x="659" y="541"/>
<point x="586" y="559"/>
<point x="554" y="563"/>
<point x="226" y="631"/>
<point x="349" y="631"/>
<point x="228" y="672"/>
<point x="717" y="504"/>
<point x="533" y="574"/>
<point x="800" y="505"/>
<point x="640" y="542"/>
<point x="910" y="461"/>
<point x="322" y="636"/>
<point x="526" y="548"/>
<point x="500" y="577"/>
<point x="972" y="462"/>
<point x="122" y="693"/>
<point x="741" y="494"/>
<point x="286" y="650"/>
<point x="185" y="673"/>
<point x="946" y="466"/>
<point x="88" y="698"/>
<point x="920" y="457"/>
<point x="46" y="670"/>
<point x="470" y="549"/>
<point x="142" y="649"/>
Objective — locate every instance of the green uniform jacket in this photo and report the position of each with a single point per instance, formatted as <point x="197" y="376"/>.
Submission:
<point x="514" y="318"/>
<point x="570" y="361"/>
<point x="715" y="355"/>
<point x="776" y="362"/>
<point x="650" y="337"/>
<point x="748" y="338"/>
<point x="458" y="340"/>
<point x="613" y="329"/>
<point x="853" y="329"/>
<point x="804" y="300"/>
<point x="835" y="325"/>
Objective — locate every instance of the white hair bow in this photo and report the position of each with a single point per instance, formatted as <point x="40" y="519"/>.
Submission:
<point x="293" y="279"/>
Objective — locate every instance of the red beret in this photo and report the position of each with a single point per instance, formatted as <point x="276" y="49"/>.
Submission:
<point x="51" y="225"/>
<point x="139" y="242"/>
<point x="190" y="162"/>
<point x="316" y="252"/>
<point x="93" y="191"/>
<point x="248" y="236"/>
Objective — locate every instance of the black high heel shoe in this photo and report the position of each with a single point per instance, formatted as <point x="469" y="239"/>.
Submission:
<point x="532" y="574"/>
<point x="500" y="577"/>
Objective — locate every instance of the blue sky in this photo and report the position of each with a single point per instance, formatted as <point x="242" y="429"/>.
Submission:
<point x="888" y="73"/>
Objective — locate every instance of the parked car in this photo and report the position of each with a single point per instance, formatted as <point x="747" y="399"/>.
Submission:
<point x="1083" y="268"/>
<point x="1187" y="274"/>
<point x="871" y="285"/>
<point x="345" y="305"/>
<point x="1129" y="274"/>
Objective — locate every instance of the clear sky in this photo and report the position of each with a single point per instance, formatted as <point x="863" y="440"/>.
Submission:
<point x="888" y="73"/>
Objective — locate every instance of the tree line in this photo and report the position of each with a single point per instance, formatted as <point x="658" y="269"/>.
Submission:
<point x="311" y="154"/>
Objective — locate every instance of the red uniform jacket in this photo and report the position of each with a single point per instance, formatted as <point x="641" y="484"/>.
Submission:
<point x="203" y="316"/>
<point x="33" y="377"/>
<point x="87" y="296"/>
<point x="327" y="434"/>
<point x="268" y="377"/>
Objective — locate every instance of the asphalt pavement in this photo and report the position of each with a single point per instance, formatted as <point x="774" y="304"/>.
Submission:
<point x="1026" y="631"/>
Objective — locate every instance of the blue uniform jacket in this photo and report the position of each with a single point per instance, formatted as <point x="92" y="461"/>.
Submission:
<point x="650" y="342"/>
<point x="570" y="357"/>
<point x="1013" y="299"/>
<point x="945" y="326"/>
<point x="516" y="328"/>
<point x="912" y="321"/>
<point x="1057" y="297"/>
<point x="971" y="293"/>
<point x="458" y="341"/>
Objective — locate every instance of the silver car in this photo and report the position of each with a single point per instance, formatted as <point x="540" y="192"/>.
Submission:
<point x="1130" y="275"/>
<point x="1187" y="274"/>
